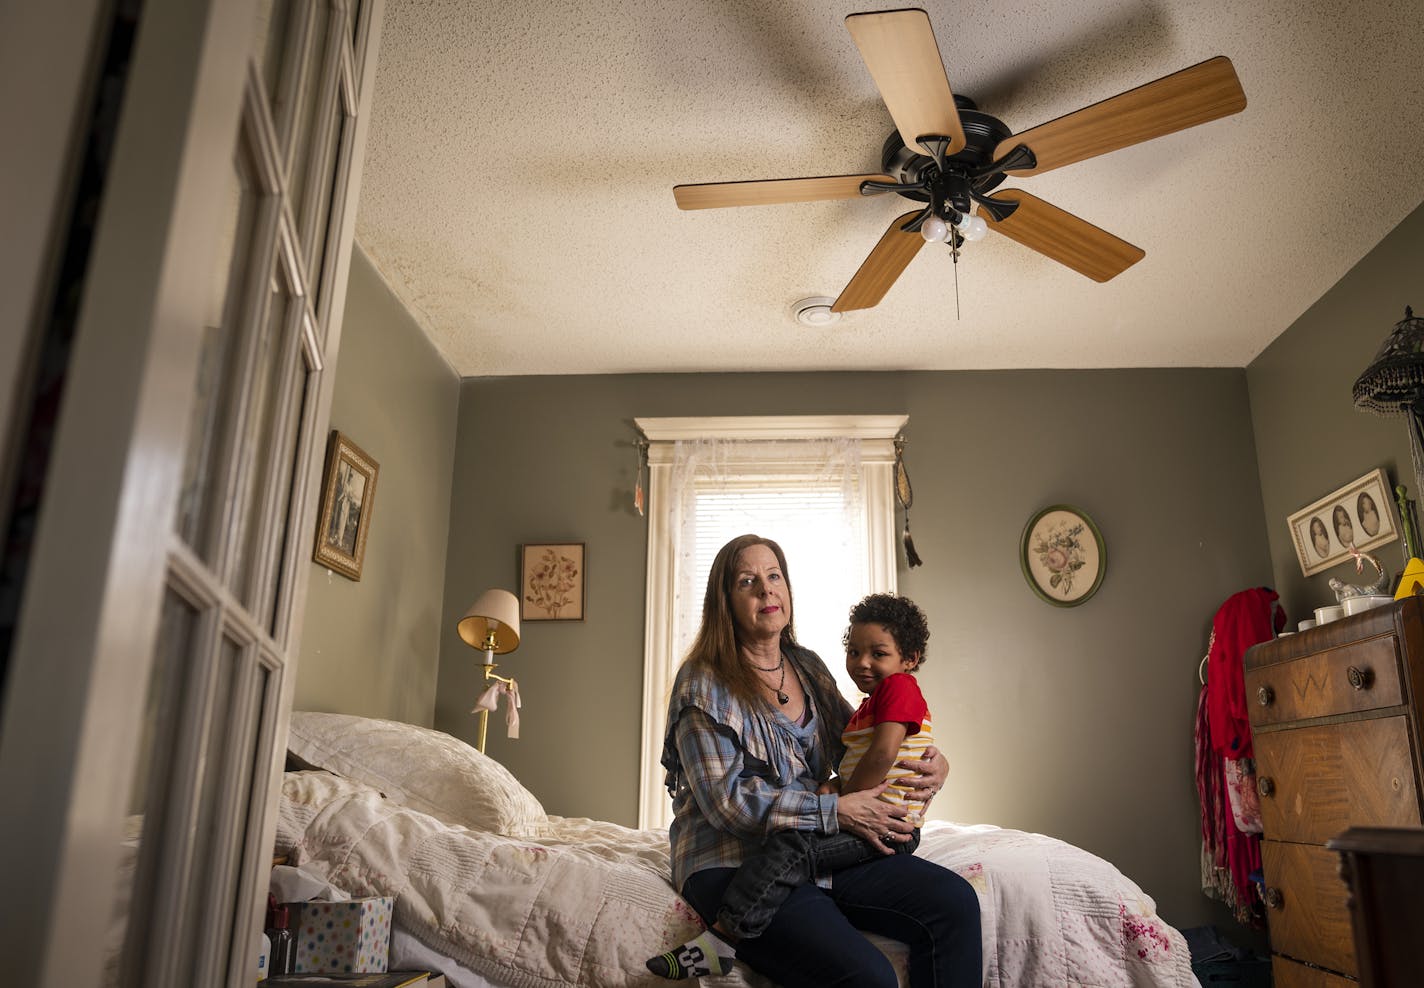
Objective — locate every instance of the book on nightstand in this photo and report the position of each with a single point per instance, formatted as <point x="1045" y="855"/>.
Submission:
<point x="389" y="979"/>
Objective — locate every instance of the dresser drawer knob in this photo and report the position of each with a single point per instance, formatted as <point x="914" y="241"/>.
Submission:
<point x="1265" y="696"/>
<point x="1274" y="899"/>
<point x="1360" y="679"/>
<point x="1266" y="786"/>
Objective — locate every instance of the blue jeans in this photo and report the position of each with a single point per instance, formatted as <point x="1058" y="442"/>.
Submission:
<point x="813" y="940"/>
<point x="788" y="860"/>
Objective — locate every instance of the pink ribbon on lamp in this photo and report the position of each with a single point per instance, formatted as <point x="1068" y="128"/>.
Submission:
<point x="489" y="700"/>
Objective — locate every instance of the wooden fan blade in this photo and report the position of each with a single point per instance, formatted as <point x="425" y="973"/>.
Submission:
<point x="879" y="270"/>
<point x="772" y="191"/>
<point x="1063" y="237"/>
<point x="1204" y="92"/>
<point x="899" y="49"/>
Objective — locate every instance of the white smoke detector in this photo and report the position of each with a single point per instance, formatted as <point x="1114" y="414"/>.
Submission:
<point x="815" y="311"/>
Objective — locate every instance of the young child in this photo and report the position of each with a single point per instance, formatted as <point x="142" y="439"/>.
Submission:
<point x="884" y="644"/>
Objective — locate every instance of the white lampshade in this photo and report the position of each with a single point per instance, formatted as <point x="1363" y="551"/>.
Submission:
<point x="496" y="610"/>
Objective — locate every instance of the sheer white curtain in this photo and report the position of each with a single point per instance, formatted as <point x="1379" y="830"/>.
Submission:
<point x="821" y="487"/>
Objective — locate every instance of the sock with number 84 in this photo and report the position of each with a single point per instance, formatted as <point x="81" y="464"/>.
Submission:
<point x="705" y="954"/>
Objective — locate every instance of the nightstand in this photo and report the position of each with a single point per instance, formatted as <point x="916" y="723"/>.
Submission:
<point x="1383" y="869"/>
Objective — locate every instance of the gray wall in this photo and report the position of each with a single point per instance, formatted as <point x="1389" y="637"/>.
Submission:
<point x="1310" y="438"/>
<point x="1073" y="722"/>
<point x="370" y="647"/>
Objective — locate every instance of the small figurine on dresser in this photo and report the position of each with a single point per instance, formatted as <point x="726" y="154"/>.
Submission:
<point x="1361" y="597"/>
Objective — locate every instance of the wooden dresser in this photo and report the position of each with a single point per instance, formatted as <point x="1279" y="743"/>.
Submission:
<point x="1335" y="716"/>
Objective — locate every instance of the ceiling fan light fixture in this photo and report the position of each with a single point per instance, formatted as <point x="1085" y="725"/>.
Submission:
<point x="815" y="311"/>
<point x="935" y="230"/>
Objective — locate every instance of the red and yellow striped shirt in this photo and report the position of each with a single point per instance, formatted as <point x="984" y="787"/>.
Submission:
<point x="897" y="699"/>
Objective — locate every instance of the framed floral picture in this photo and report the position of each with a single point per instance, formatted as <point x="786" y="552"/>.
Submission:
<point x="1062" y="555"/>
<point x="348" y="496"/>
<point x="1359" y="515"/>
<point x="551" y="581"/>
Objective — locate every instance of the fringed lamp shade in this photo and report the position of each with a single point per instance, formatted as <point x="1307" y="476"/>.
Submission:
<point x="1393" y="384"/>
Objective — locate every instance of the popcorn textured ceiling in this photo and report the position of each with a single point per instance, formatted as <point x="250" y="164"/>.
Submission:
<point x="517" y="193"/>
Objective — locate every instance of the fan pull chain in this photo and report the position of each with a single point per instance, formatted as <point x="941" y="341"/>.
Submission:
<point x="906" y="496"/>
<point x="955" y="248"/>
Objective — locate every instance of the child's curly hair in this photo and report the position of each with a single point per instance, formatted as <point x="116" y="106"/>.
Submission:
<point x="900" y="616"/>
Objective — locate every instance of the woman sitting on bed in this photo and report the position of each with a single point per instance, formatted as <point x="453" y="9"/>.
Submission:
<point x="754" y="727"/>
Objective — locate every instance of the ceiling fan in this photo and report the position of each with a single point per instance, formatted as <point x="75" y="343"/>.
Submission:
<point x="964" y="154"/>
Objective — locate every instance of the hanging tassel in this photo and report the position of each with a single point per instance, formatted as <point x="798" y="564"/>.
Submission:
<point x="911" y="556"/>
<point x="642" y="448"/>
<point x="906" y="496"/>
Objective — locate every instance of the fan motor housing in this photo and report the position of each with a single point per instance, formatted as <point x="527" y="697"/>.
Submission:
<point x="982" y="133"/>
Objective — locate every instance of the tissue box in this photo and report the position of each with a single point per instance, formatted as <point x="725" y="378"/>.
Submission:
<point x="342" y="937"/>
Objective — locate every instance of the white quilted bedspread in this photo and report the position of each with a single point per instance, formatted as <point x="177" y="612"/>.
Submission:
<point x="586" y="904"/>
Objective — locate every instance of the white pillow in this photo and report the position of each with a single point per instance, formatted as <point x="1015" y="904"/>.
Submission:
<point x="424" y="769"/>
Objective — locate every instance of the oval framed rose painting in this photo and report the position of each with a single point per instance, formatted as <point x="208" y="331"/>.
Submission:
<point x="1062" y="555"/>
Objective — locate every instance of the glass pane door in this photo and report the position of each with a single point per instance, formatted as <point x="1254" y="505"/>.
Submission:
<point x="152" y="648"/>
<point x="206" y="760"/>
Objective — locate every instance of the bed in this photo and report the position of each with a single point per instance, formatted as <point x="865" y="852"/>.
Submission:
<point x="496" y="893"/>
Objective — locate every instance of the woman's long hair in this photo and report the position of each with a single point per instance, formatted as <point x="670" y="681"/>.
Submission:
<point x="716" y="647"/>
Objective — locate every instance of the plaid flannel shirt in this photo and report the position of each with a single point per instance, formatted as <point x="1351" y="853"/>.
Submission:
<point x="738" y="774"/>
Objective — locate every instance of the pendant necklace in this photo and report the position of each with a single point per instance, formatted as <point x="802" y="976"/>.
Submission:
<point x="781" y="696"/>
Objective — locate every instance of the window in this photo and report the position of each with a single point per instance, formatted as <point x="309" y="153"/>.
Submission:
<point x="819" y="486"/>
